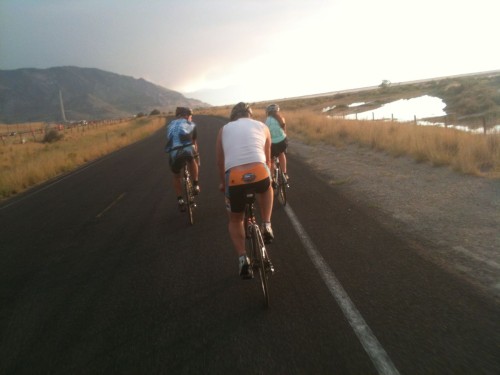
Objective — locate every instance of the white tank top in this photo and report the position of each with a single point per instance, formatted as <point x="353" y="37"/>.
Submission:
<point x="243" y="142"/>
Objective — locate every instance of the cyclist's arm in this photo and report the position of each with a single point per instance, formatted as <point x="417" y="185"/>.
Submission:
<point x="267" y="147"/>
<point x="219" y="154"/>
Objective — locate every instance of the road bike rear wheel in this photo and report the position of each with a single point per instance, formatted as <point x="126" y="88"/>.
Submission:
<point x="281" y="187"/>
<point x="259" y="258"/>
<point x="188" y="193"/>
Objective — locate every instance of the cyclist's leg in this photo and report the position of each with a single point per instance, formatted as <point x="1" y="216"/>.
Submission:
<point x="282" y="155"/>
<point x="274" y="153"/>
<point x="265" y="200"/>
<point x="176" y="166"/>
<point x="235" y="205"/>
<point x="192" y="164"/>
<point x="237" y="231"/>
<point x="282" y="158"/>
<point x="193" y="169"/>
<point x="177" y="184"/>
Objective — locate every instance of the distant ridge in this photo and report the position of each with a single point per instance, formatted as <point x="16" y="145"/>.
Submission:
<point x="367" y="88"/>
<point x="28" y="95"/>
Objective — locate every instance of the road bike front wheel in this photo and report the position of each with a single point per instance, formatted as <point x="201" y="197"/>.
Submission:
<point x="259" y="254"/>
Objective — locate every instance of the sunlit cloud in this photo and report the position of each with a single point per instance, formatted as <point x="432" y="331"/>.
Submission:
<point x="259" y="49"/>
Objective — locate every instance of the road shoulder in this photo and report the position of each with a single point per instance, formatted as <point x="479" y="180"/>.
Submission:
<point x="451" y="218"/>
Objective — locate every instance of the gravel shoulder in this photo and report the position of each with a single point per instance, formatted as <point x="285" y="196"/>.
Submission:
<point x="450" y="218"/>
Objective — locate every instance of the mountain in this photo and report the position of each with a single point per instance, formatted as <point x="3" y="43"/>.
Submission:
<point x="28" y="95"/>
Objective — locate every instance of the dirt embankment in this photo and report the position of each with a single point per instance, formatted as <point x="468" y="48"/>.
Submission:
<point x="452" y="219"/>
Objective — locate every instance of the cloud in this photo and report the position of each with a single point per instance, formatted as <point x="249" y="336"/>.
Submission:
<point x="261" y="48"/>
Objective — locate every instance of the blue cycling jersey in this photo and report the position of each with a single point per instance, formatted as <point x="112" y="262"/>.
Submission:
<point x="180" y="133"/>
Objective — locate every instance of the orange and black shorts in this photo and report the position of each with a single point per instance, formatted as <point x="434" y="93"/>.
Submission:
<point x="240" y="181"/>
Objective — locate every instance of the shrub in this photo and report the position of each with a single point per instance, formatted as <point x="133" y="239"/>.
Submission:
<point x="53" y="135"/>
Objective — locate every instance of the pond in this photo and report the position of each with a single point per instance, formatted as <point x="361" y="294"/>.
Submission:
<point x="416" y="108"/>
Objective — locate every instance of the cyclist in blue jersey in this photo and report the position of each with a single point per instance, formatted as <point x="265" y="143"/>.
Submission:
<point x="182" y="146"/>
<point x="279" y="142"/>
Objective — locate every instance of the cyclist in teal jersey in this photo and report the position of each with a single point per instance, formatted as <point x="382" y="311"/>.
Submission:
<point x="277" y="126"/>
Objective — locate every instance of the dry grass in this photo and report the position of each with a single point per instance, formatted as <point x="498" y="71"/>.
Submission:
<point x="474" y="154"/>
<point x="465" y="152"/>
<point x="27" y="126"/>
<point x="23" y="165"/>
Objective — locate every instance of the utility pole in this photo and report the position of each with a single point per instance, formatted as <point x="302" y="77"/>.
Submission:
<point x="62" y="106"/>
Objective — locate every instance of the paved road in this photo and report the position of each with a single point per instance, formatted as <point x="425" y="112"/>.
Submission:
<point x="100" y="274"/>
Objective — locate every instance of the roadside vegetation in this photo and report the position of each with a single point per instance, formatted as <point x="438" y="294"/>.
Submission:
<point x="472" y="101"/>
<point x="475" y="154"/>
<point x="31" y="154"/>
<point x="29" y="157"/>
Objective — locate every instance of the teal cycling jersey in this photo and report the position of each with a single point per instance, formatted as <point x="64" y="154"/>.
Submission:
<point x="277" y="133"/>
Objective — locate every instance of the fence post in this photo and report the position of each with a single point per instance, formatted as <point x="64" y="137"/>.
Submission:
<point x="415" y="119"/>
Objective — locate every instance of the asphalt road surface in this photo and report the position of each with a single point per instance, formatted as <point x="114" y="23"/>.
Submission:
<point x="100" y="274"/>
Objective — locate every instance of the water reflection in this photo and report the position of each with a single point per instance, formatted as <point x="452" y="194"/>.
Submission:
<point x="416" y="108"/>
<point x="405" y="109"/>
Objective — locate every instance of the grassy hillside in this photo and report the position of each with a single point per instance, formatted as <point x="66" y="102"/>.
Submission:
<point x="28" y="95"/>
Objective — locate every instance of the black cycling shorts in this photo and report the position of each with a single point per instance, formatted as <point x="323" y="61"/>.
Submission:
<point x="238" y="194"/>
<point x="278" y="148"/>
<point x="179" y="157"/>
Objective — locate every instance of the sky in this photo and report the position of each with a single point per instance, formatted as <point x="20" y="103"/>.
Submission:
<point x="226" y="51"/>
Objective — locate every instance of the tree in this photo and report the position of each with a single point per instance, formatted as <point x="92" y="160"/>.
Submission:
<point x="385" y="83"/>
<point x="154" y="112"/>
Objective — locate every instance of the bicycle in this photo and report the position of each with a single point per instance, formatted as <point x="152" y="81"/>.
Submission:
<point x="280" y="183"/>
<point x="188" y="190"/>
<point x="256" y="250"/>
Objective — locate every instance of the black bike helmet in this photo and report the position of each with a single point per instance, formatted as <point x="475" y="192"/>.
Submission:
<point x="272" y="108"/>
<point x="240" y="110"/>
<point x="183" y="111"/>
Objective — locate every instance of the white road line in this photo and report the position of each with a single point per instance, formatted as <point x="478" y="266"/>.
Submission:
<point x="377" y="354"/>
<point x="101" y="214"/>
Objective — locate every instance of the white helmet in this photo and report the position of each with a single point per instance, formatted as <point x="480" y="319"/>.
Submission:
<point x="272" y="108"/>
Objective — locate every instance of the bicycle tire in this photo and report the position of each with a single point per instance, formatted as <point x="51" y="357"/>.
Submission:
<point x="260" y="253"/>
<point x="281" y="187"/>
<point x="275" y="181"/>
<point x="188" y="192"/>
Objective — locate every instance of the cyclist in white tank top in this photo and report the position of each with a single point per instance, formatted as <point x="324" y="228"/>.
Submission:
<point x="244" y="141"/>
<point x="244" y="146"/>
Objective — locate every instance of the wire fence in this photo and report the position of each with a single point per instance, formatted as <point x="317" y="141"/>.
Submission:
<point x="37" y="131"/>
